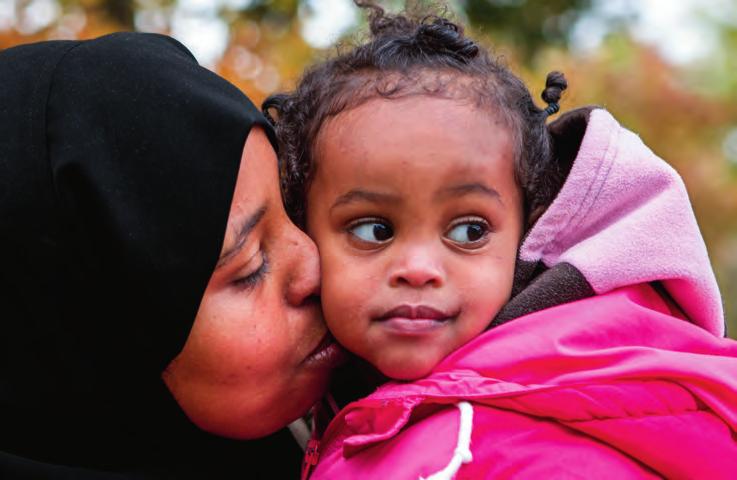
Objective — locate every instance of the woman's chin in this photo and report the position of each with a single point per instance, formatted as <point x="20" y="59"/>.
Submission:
<point x="246" y="426"/>
<point x="242" y="419"/>
<point x="239" y="432"/>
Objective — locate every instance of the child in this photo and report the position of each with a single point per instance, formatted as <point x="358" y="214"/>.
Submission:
<point x="436" y="195"/>
<point x="439" y="201"/>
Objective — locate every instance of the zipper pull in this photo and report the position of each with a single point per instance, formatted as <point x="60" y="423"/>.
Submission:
<point x="312" y="454"/>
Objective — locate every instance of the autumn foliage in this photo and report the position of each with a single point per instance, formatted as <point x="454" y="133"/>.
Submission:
<point x="686" y="114"/>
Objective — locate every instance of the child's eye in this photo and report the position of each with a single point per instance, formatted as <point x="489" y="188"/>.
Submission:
<point x="469" y="233"/>
<point x="371" y="230"/>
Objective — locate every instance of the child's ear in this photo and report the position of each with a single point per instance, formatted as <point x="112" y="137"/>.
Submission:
<point x="567" y="134"/>
<point x="534" y="215"/>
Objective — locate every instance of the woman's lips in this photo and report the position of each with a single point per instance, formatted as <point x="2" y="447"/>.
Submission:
<point x="327" y="353"/>
<point x="414" y="319"/>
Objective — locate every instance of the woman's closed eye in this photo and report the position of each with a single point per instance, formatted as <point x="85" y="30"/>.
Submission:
<point x="253" y="274"/>
<point x="371" y="231"/>
<point x="469" y="232"/>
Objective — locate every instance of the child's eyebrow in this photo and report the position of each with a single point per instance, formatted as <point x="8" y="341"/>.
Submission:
<point x="243" y="230"/>
<point x="358" y="195"/>
<point x="468" y="188"/>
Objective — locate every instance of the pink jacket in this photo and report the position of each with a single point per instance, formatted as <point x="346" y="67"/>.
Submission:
<point x="613" y="367"/>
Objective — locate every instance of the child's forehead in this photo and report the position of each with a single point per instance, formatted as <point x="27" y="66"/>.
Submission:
<point x="424" y="121"/>
<point x="420" y="141"/>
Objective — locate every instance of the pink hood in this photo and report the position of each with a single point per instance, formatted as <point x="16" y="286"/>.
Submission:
<point x="623" y="217"/>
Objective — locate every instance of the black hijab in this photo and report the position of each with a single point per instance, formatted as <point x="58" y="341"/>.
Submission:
<point x="118" y="159"/>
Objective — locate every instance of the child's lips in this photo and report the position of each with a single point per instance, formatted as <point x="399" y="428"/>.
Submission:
<point x="414" y="319"/>
<point x="413" y="312"/>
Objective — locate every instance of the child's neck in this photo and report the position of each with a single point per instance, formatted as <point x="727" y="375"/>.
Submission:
<point x="354" y="380"/>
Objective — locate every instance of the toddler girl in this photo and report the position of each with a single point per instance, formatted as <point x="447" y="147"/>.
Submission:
<point x="418" y="183"/>
<point x="435" y="192"/>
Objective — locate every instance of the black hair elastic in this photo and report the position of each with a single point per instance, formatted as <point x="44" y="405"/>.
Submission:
<point x="552" y="108"/>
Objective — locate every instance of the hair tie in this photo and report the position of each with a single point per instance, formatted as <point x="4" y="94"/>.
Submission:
<point x="552" y="109"/>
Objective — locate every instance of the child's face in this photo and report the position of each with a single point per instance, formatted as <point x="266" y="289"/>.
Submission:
<point x="417" y="216"/>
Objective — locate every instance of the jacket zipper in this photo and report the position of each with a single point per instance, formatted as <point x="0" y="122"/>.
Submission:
<point x="312" y="454"/>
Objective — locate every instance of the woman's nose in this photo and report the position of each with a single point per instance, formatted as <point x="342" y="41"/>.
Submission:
<point x="418" y="268"/>
<point x="304" y="275"/>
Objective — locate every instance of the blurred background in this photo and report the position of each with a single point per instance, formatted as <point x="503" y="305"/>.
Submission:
<point x="667" y="70"/>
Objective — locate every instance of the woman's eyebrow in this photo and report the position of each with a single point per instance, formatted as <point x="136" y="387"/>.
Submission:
<point x="243" y="230"/>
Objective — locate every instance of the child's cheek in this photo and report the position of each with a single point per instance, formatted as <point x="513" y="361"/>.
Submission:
<point x="484" y="289"/>
<point x="344" y="298"/>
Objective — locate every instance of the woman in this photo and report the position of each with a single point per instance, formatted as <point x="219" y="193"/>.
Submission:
<point x="150" y="275"/>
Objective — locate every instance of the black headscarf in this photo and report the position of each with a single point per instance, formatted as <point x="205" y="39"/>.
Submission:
<point x="118" y="159"/>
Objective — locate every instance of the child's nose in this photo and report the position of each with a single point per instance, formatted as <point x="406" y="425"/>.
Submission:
<point x="416" y="270"/>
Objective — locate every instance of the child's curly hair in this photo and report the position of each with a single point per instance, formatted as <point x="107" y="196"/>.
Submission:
<point x="410" y="55"/>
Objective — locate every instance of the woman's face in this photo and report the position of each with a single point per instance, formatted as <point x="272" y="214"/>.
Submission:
<point x="258" y="355"/>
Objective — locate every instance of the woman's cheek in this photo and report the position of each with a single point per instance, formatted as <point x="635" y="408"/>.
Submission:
<point x="270" y="340"/>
